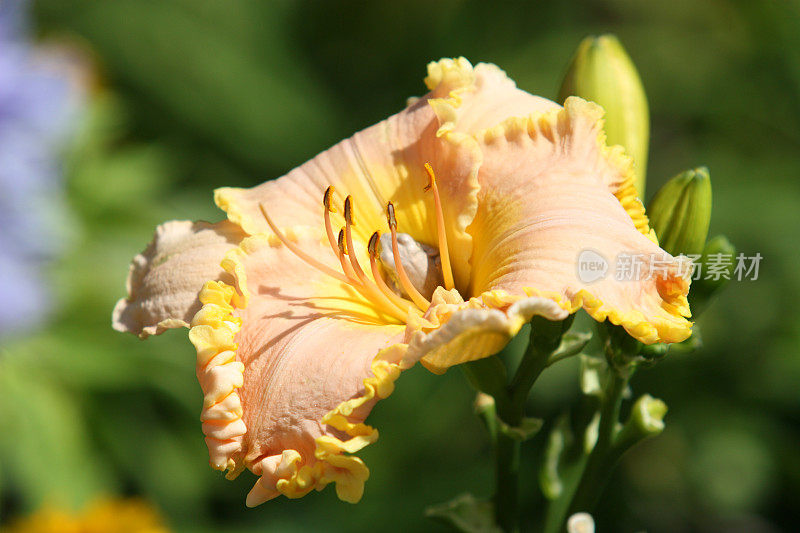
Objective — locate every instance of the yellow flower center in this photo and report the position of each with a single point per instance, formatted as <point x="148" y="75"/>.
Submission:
<point x="375" y="289"/>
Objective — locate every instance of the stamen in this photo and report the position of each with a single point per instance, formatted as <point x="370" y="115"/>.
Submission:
<point x="340" y="243"/>
<point x="336" y="247"/>
<point x="349" y="250"/>
<point x="326" y="199"/>
<point x="326" y="202"/>
<point x="341" y="252"/>
<point x="298" y="252"/>
<point x="444" y="255"/>
<point x="372" y="247"/>
<point x="412" y="292"/>
<point x="348" y="223"/>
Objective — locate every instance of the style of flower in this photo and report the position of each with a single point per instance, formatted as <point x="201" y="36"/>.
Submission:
<point x="461" y="218"/>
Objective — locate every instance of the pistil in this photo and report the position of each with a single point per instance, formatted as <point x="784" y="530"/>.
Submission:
<point x="444" y="255"/>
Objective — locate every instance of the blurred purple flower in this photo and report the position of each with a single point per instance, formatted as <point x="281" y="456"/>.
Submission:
<point x="37" y="101"/>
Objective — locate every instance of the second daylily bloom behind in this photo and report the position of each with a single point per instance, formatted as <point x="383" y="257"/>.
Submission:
<point x="432" y="236"/>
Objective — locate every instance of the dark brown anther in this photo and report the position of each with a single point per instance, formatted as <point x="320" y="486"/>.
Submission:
<point x="326" y="199"/>
<point x="342" y="245"/>
<point x="372" y="246"/>
<point x="348" y="210"/>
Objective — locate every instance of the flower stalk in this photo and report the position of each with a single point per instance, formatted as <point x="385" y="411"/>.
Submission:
<point x="510" y="428"/>
<point x="606" y="440"/>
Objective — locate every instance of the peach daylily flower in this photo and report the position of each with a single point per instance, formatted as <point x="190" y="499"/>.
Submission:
<point x="461" y="218"/>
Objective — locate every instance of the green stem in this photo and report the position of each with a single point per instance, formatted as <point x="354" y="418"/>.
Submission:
<point x="544" y="340"/>
<point x="506" y="500"/>
<point x="599" y="466"/>
<point x="591" y="472"/>
<point x="531" y="366"/>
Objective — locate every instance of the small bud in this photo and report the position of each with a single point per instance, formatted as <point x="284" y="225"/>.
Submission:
<point x="602" y="71"/>
<point x="580" y="523"/>
<point x="486" y="410"/>
<point x="483" y="402"/>
<point x="646" y="420"/>
<point x="680" y="212"/>
<point x="648" y="415"/>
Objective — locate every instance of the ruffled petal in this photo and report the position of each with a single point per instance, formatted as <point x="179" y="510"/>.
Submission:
<point x="165" y="279"/>
<point x="455" y="332"/>
<point x="480" y="97"/>
<point x="385" y="162"/>
<point x="550" y="190"/>
<point x="291" y="363"/>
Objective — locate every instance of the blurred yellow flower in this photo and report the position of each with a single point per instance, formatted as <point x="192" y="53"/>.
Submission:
<point x="104" y="516"/>
<point x="463" y="217"/>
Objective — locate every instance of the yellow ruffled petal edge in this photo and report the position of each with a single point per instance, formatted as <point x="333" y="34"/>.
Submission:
<point x="280" y="474"/>
<point x="616" y="158"/>
<point x="455" y="332"/>
<point x="550" y="123"/>
<point x="212" y="333"/>
<point x="635" y="323"/>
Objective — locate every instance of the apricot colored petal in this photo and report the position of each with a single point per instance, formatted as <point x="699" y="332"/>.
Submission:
<point x="480" y="96"/>
<point x="290" y="367"/>
<point x="549" y="192"/>
<point x="385" y="162"/>
<point x="165" y="279"/>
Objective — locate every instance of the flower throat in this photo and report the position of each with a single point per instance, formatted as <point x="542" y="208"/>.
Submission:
<point x="405" y="295"/>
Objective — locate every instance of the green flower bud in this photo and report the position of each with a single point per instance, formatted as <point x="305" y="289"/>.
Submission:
<point x="648" y="415"/>
<point x="646" y="420"/>
<point x="681" y="211"/>
<point x="719" y="246"/>
<point x="602" y="71"/>
<point x="722" y="253"/>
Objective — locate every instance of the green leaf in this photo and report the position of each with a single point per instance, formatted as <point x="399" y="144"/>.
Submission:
<point x="572" y="343"/>
<point x="527" y="428"/>
<point x="550" y="478"/>
<point x="593" y="375"/>
<point x="45" y="441"/>
<point x="465" y="513"/>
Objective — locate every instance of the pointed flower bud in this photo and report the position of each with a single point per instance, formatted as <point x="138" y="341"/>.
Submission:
<point x="681" y="211"/>
<point x="648" y="415"/>
<point x="602" y="71"/>
<point x="718" y="255"/>
<point x="719" y="247"/>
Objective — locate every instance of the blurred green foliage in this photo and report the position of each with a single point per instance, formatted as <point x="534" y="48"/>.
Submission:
<point x="207" y="93"/>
